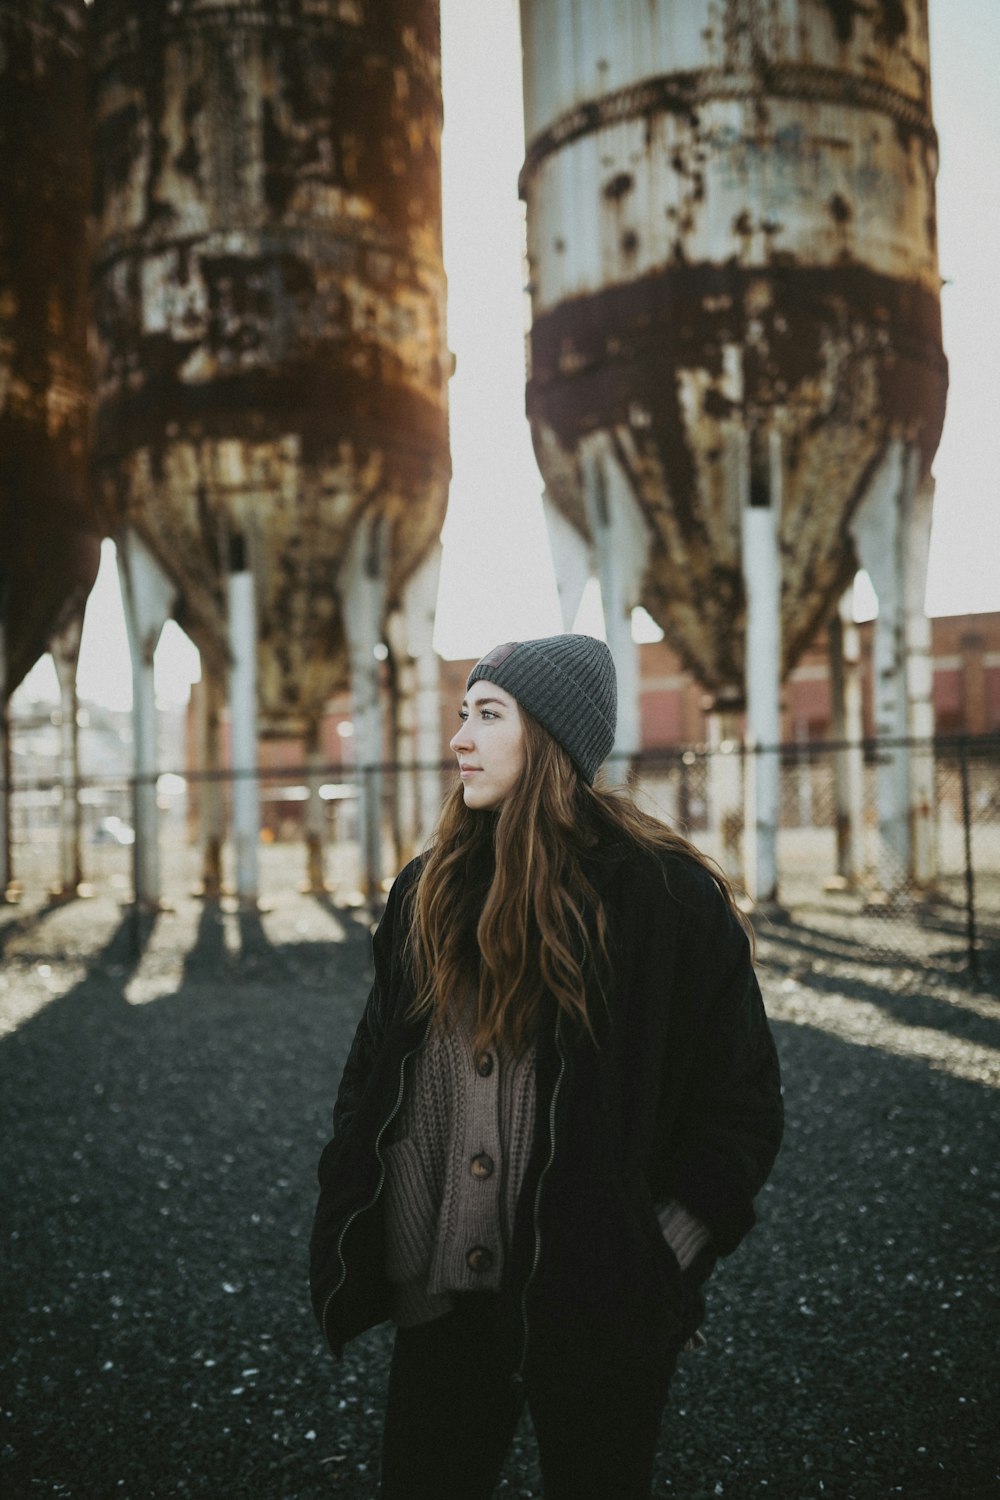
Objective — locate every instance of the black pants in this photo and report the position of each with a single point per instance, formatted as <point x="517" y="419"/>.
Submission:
<point x="452" y="1410"/>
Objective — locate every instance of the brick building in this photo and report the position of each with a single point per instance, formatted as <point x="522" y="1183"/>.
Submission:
<point x="966" y="699"/>
<point x="966" y="652"/>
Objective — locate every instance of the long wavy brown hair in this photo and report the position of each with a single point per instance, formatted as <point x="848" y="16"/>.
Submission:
<point x="504" y="911"/>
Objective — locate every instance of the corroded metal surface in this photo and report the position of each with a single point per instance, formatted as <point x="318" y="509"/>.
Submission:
<point x="731" y="228"/>
<point x="269" y="304"/>
<point x="49" y="549"/>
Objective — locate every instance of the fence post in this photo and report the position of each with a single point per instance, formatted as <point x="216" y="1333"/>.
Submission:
<point x="970" y="888"/>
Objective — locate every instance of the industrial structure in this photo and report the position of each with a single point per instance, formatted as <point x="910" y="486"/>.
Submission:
<point x="736" y="383"/>
<point x="49" y="540"/>
<point x="271" y="441"/>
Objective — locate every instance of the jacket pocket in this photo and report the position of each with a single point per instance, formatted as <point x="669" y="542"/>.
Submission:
<point x="411" y="1214"/>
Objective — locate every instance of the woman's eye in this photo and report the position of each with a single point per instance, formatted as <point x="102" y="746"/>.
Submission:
<point x="463" y="714"/>
<point x="488" y="713"/>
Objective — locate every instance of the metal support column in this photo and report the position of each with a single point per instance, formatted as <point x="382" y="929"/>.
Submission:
<point x="149" y="598"/>
<point x="725" y="791"/>
<point x="919" y="686"/>
<point x="877" y="530"/>
<point x="243" y="721"/>
<point x="211" y="800"/>
<point x="315" y="883"/>
<point x="363" y="593"/>
<point x="762" y="581"/>
<point x="65" y="649"/>
<point x="418" y="710"/>
<point x="402" y="731"/>
<point x="572" y="560"/>
<point x="621" y="550"/>
<point x="848" y="732"/>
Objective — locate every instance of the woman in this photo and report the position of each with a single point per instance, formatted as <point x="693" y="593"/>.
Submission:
<point x="560" y="1102"/>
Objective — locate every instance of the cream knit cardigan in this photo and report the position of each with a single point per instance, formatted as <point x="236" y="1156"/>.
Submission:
<point x="454" y="1169"/>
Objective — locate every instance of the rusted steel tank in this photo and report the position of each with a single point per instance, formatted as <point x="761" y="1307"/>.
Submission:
<point x="731" y="231"/>
<point x="269" y="305"/>
<point x="49" y="547"/>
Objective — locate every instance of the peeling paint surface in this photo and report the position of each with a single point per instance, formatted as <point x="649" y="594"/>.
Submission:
<point x="731" y="227"/>
<point x="49" y="547"/>
<point x="269" y="305"/>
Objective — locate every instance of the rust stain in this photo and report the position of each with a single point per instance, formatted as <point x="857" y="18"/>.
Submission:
<point x="620" y="184"/>
<point x="269" y="305"/>
<point x="840" y="209"/>
<point x="853" y="355"/>
<point x="889" y="22"/>
<point x="751" y="246"/>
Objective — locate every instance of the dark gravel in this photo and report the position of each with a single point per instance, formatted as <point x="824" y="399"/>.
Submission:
<point x="163" y="1101"/>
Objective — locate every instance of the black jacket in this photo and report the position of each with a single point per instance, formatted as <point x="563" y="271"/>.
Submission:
<point x="679" y="1098"/>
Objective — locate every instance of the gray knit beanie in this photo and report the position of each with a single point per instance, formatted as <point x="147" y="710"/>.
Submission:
<point x="567" y="683"/>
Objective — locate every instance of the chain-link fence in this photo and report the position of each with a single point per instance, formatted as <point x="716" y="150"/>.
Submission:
<point x="924" y="894"/>
<point x="917" y="884"/>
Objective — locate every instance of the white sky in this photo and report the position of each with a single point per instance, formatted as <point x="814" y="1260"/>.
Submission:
<point x="497" y="580"/>
<point x="964" y="573"/>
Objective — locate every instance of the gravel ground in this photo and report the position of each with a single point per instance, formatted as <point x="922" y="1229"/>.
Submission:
<point x="165" y="1092"/>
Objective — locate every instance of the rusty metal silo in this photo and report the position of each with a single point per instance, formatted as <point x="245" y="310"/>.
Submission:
<point x="736" y="337"/>
<point x="49" y="546"/>
<point x="269" y="315"/>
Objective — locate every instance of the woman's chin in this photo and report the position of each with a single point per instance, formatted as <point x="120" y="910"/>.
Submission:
<point x="477" y="797"/>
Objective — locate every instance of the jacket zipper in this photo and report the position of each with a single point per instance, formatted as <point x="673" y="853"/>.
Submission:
<point x="364" y="1208"/>
<point x="518" y="1376"/>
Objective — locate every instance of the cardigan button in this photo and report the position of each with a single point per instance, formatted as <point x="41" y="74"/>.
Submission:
<point x="481" y="1166"/>
<point x="479" y="1258"/>
<point x="484" y="1064"/>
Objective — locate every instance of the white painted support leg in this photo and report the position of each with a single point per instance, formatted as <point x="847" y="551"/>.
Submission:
<point x="403" y="730"/>
<point x="149" y="597"/>
<point x="210" y="699"/>
<point x="621" y="551"/>
<point x="428" y="700"/>
<point x="363" y="593"/>
<point x="725" y="792"/>
<point x="404" y="733"/>
<point x="920" y="687"/>
<point x="65" y="649"/>
<point x="572" y="560"/>
<point x="418" y="714"/>
<point x="315" y="810"/>
<point x="848" y="732"/>
<point x="762" y="580"/>
<point x="877" y="531"/>
<point x="243" y="725"/>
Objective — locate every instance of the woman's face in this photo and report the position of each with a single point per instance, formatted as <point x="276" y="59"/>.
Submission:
<point x="489" y="745"/>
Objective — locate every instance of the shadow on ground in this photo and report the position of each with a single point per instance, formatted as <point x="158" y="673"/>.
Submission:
<point x="157" y="1193"/>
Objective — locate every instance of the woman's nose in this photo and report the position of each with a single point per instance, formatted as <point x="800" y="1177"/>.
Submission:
<point x="460" y="739"/>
